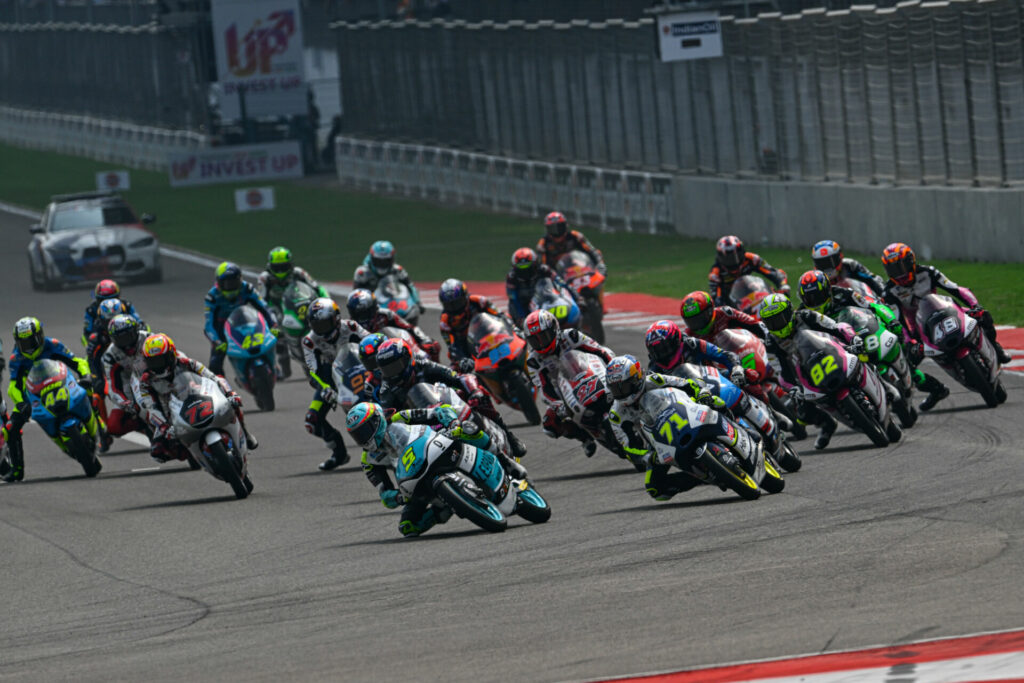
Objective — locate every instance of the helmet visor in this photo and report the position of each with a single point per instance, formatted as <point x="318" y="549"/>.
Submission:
<point x="662" y="351"/>
<point x="828" y="264"/>
<point x="625" y="388"/>
<point x="160" y="364"/>
<point x="815" y="297"/>
<point x="542" y="340"/>
<point x="732" y="258"/>
<point x="558" y="229"/>
<point x="280" y="268"/>
<point x="230" y="284"/>
<point x="31" y="344"/>
<point x="699" y="320"/>
<point x="393" y="367"/>
<point x="126" y="338"/>
<point x="778" y="322"/>
<point x="454" y="305"/>
<point x="321" y="325"/>
<point x="364" y="433"/>
<point x="381" y="263"/>
<point x="899" y="269"/>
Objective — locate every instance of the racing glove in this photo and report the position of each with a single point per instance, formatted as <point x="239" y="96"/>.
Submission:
<point x="235" y="400"/>
<point x="85" y="381"/>
<point x="915" y="351"/>
<point x="465" y="366"/>
<point x="705" y="398"/>
<point x="738" y="375"/>
<point x="446" y="415"/>
<point x="221" y="348"/>
<point x="856" y="346"/>
<point x="328" y="395"/>
<point x="391" y="498"/>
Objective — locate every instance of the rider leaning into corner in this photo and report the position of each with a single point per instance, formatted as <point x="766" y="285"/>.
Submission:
<point x="363" y="308"/>
<point x="828" y="258"/>
<point x="559" y="240"/>
<point x="521" y="282"/>
<point x="733" y="261"/>
<point x="378" y="264"/>
<point x="458" y="307"/>
<point x="229" y="292"/>
<point x="280" y="273"/>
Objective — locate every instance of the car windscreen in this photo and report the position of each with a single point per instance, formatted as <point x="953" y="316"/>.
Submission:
<point x="79" y="218"/>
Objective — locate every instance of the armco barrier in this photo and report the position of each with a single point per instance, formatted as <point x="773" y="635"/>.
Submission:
<point x="114" y="141"/>
<point x="606" y="198"/>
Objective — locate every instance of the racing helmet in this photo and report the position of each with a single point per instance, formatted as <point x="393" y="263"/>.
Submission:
<point x="324" y="318"/>
<point x="900" y="263"/>
<point x="395" y="360"/>
<point x="362" y="305"/>
<point x="524" y="263"/>
<point x="541" y="328"/>
<point x="106" y="289"/>
<point x="730" y="252"/>
<point x="382" y="256"/>
<point x="664" y="342"/>
<point x="698" y="312"/>
<point x="229" y="280"/>
<point x="279" y="262"/>
<point x="159" y="355"/>
<point x="625" y="379"/>
<point x="454" y="296"/>
<point x="124" y="332"/>
<point x="28" y="337"/>
<point x="368" y="347"/>
<point x="828" y="257"/>
<point x="776" y="312"/>
<point x="556" y="226"/>
<point x="108" y="308"/>
<point x="367" y="425"/>
<point x="816" y="291"/>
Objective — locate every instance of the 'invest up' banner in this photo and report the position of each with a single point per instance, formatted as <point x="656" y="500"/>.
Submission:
<point x="259" y="50"/>
<point x="240" y="163"/>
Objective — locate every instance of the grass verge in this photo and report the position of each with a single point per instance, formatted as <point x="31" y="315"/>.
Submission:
<point x="329" y="230"/>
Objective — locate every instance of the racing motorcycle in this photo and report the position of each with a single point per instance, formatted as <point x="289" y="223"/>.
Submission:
<point x="557" y="301"/>
<point x="352" y="380"/>
<point x="578" y="272"/>
<point x="252" y="352"/>
<point x="205" y="423"/>
<point x="760" y="422"/>
<point x="747" y="292"/>
<point x="62" y="408"/>
<point x="393" y="294"/>
<point x="707" y="445"/>
<point x="764" y="385"/>
<point x="501" y="363"/>
<point x="840" y="383"/>
<point x="294" y="304"/>
<point x="883" y="350"/>
<point x="858" y="286"/>
<point x="406" y="336"/>
<point x="957" y="343"/>
<point x="468" y="480"/>
<point x="585" y="395"/>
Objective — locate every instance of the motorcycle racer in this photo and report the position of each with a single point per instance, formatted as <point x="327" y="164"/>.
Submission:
<point x="378" y="264"/>
<point x="547" y="344"/>
<point x="909" y="282"/>
<point x="105" y="289"/>
<point x="279" y="274"/>
<point x="162" y="361"/>
<point x="733" y="261"/>
<point x="30" y="346"/>
<point x="362" y="306"/>
<point x="123" y="365"/>
<point x="522" y="280"/>
<point x="458" y="308"/>
<point x="559" y="240"/>
<point x="229" y="292"/>
<point x="828" y="258"/>
<point x="327" y="332"/>
<point x="704" y="320"/>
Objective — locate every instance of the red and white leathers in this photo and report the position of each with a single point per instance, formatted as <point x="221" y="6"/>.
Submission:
<point x="728" y="318"/>
<point x="155" y="392"/>
<point x="544" y="369"/>
<point x="122" y="372"/>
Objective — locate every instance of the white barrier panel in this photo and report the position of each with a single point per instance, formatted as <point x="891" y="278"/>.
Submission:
<point x="267" y="161"/>
<point x="101" y="139"/>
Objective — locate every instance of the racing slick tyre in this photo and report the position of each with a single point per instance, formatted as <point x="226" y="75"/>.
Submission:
<point x="905" y="412"/>
<point x="977" y="378"/>
<point x="521" y="389"/>
<point x="263" y="387"/>
<point x="532" y="507"/>
<point x="83" y="449"/>
<point x="772" y="481"/>
<point x="224" y="465"/>
<point x="865" y="423"/>
<point x="726" y="470"/>
<point x="470" y="505"/>
<point x="789" y="460"/>
<point x="894" y="432"/>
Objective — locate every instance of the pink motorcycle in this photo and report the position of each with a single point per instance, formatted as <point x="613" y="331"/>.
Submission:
<point x="957" y="343"/>
<point x="851" y="390"/>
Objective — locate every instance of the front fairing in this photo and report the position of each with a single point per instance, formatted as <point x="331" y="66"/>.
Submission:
<point x="248" y="334"/>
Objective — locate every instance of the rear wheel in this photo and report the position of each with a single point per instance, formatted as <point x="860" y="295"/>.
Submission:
<point x="894" y="432"/>
<point x="865" y="423"/>
<point x="262" y="382"/>
<point x="727" y="471"/>
<point x="471" y="505"/>
<point x="593" y="320"/>
<point x="224" y="466"/>
<point x="83" y="449"/>
<point x="905" y="412"/>
<point x="976" y="376"/>
<point x="520" y="387"/>
<point x="799" y="432"/>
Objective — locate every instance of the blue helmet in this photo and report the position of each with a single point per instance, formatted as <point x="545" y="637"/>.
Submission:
<point x="382" y="256"/>
<point x="368" y="348"/>
<point x="367" y="425"/>
<point x="229" y="280"/>
<point x="108" y="308"/>
<point x="362" y="305"/>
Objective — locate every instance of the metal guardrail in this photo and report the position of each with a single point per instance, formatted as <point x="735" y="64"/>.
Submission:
<point x="606" y="198"/>
<point x="114" y="141"/>
<point x="923" y="93"/>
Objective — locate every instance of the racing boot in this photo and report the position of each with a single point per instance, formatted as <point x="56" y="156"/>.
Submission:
<point x="828" y="426"/>
<point x="1001" y="353"/>
<point x="16" y="465"/>
<point x="589" y="447"/>
<point x="936" y="391"/>
<point x="517" y="446"/>
<point x="106" y="440"/>
<point x="339" y="455"/>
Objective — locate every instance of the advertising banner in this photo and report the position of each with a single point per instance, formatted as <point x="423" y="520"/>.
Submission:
<point x="113" y="180"/>
<point x="241" y="163"/>
<point x="254" y="199"/>
<point x="689" y="35"/>
<point x="258" y="44"/>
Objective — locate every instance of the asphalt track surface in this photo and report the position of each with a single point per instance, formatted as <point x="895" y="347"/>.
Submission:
<point x="160" y="574"/>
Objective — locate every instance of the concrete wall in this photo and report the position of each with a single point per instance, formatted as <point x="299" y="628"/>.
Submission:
<point x="977" y="224"/>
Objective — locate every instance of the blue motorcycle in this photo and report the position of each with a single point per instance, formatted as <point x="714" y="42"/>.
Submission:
<point x="557" y="301"/>
<point x="469" y="480"/>
<point x="63" y="409"/>
<point x="252" y="352"/>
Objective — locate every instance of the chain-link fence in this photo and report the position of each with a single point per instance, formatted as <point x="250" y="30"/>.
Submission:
<point x="916" y="94"/>
<point x="55" y="58"/>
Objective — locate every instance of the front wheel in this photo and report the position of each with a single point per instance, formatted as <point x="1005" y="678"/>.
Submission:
<point x="532" y="507"/>
<point x="471" y="505"/>
<point x="772" y="482"/>
<point x="788" y="459"/>
<point x="593" y="321"/>
<point x="864" y="422"/>
<point x="977" y="378"/>
<point x="262" y="382"/>
<point x="223" y="465"/>
<point x="520" y="388"/>
<point x="726" y="470"/>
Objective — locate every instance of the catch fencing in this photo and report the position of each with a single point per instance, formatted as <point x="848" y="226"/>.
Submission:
<point x="923" y="93"/>
<point x="607" y="198"/>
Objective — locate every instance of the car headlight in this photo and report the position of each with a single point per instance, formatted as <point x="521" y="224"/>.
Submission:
<point x="143" y="242"/>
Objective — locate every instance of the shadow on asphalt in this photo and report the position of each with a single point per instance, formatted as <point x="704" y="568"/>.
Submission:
<point x="429" y="536"/>
<point x="726" y="500"/>
<point x="959" y="409"/>
<point x="182" y="503"/>
<point x="130" y="451"/>
<point x="145" y="473"/>
<point x="588" y="475"/>
<point x="841" y="449"/>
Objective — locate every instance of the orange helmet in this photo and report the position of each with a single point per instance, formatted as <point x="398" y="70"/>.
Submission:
<point x="159" y="354"/>
<point x="524" y="261"/>
<point x="900" y="263"/>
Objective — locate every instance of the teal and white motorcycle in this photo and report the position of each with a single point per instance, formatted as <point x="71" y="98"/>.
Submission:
<point x="467" y="479"/>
